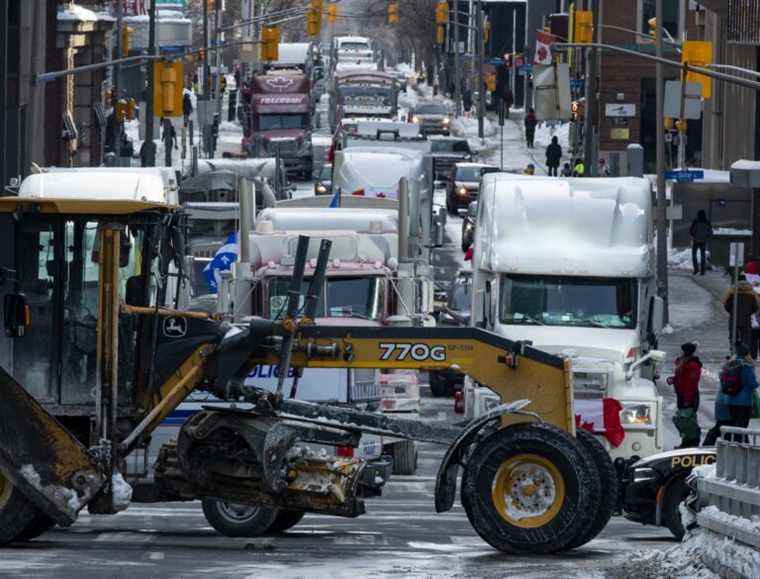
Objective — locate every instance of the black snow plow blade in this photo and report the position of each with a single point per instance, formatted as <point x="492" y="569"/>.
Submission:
<point x="41" y="458"/>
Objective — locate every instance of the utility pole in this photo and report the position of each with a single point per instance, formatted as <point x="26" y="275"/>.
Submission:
<point x="481" y="79"/>
<point x="457" y="63"/>
<point x="681" y="131"/>
<point x="217" y="57"/>
<point x="590" y="94"/>
<point x="513" y="60"/>
<point x="119" y="48"/>
<point x="150" y="156"/>
<point x="206" y="71"/>
<point x="662" y="234"/>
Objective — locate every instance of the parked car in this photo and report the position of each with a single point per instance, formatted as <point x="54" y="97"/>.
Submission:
<point x="456" y="312"/>
<point x="433" y="118"/>
<point x="464" y="184"/>
<point x="468" y="225"/>
<point x="323" y="183"/>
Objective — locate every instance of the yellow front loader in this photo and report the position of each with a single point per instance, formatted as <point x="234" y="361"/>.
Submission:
<point x="98" y="358"/>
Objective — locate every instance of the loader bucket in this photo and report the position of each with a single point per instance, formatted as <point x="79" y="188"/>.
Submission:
<point x="41" y="458"/>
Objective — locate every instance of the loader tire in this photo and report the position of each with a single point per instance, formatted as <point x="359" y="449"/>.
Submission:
<point x="530" y="488"/>
<point x="608" y="479"/>
<point x="39" y="526"/>
<point x="286" y="520"/>
<point x="16" y="512"/>
<point x="238" y="520"/>
<point x="404" y="457"/>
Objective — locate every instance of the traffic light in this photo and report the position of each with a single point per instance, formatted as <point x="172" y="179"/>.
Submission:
<point x="332" y="13"/>
<point x="442" y="13"/>
<point x="167" y="88"/>
<point x="583" y="26"/>
<point x="126" y="40"/>
<point x="314" y="17"/>
<point x="270" y="43"/>
<point x="393" y="16"/>
<point x="698" y="53"/>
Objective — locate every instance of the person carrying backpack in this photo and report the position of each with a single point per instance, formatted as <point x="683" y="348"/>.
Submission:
<point x="685" y="381"/>
<point x="733" y="402"/>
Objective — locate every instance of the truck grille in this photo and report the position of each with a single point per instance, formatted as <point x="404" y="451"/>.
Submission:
<point x="283" y="147"/>
<point x="590" y="385"/>
<point x="364" y="385"/>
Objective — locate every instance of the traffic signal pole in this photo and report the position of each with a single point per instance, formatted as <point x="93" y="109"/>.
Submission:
<point x="149" y="159"/>
<point x="457" y="63"/>
<point x="661" y="223"/>
<point x="481" y="75"/>
<point x="590" y="97"/>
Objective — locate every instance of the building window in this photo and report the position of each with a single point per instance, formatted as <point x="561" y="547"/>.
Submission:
<point x="647" y="11"/>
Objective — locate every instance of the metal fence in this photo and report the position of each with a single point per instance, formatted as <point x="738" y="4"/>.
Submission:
<point x="736" y="488"/>
<point x="744" y="22"/>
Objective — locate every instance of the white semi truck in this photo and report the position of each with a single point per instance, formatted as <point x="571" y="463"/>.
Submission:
<point x="568" y="265"/>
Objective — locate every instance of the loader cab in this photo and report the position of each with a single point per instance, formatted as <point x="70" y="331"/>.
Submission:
<point x="51" y="252"/>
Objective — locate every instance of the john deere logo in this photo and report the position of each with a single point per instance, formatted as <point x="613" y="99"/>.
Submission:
<point x="175" y="327"/>
<point x="279" y="82"/>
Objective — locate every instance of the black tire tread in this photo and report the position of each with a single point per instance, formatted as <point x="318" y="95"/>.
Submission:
<point x="286" y="520"/>
<point x="16" y="516"/>
<point x="404" y="457"/>
<point x="608" y="496"/>
<point x="255" y="527"/>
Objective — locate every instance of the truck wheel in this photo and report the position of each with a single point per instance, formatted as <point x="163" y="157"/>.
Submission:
<point x="286" y="520"/>
<point x="530" y="488"/>
<point x="404" y="457"/>
<point x="608" y="479"/>
<point x="238" y="520"/>
<point x="677" y="492"/>
<point x="17" y="512"/>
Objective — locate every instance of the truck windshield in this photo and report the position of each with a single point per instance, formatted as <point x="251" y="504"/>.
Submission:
<point x="568" y="301"/>
<point x="431" y="110"/>
<point x="473" y="173"/>
<point x="343" y="297"/>
<point x="445" y="146"/>
<point x="275" y="122"/>
<point x="354" y="46"/>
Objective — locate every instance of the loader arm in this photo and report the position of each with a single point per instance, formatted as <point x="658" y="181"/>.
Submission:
<point x="513" y="370"/>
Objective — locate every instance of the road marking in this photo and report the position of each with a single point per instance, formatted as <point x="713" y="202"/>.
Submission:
<point x="126" y="537"/>
<point x="156" y="556"/>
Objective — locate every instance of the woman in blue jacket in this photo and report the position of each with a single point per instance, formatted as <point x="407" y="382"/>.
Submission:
<point x="736" y="409"/>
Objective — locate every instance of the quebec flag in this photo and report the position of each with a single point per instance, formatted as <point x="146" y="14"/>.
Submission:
<point x="222" y="261"/>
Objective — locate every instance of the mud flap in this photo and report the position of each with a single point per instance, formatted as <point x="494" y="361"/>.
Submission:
<point x="446" y="480"/>
<point x="41" y="458"/>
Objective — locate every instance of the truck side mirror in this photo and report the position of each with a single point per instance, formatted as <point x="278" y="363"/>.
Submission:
<point x="440" y="227"/>
<point x="16" y="315"/>
<point x="472" y="210"/>
<point x="658" y="315"/>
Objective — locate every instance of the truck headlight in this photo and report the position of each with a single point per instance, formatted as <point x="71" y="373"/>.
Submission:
<point x="636" y="414"/>
<point x="446" y="120"/>
<point x="462" y="192"/>
<point x="321" y="189"/>
<point x="416" y="119"/>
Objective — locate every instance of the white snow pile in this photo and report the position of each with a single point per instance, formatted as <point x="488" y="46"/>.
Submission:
<point x="681" y="259"/>
<point x="77" y="13"/>
<point x="121" y="492"/>
<point x="468" y="127"/>
<point x="545" y="132"/>
<point x="55" y="493"/>
<point x="680" y="561"/>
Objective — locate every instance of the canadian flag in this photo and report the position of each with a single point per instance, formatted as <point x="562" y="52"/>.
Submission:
<point x="600" y="416"/>
<point x="544" y="43"/>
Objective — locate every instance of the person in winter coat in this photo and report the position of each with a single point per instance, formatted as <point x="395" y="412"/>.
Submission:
<point x="567" y="171"/>
<point x="734" y="409"/>
<point x="187" y="106"/>
<point x="701" y="232"/>
<point x="553" y="157"/>
<point x="579" y="169"/>
<point x="467" y="99"/>
<point x="685" y="381"/>
<point x="509" y="101"/>
<point x="530" y="127"/>
<point x="748" y="304"/>
<point x="602" y="169"/>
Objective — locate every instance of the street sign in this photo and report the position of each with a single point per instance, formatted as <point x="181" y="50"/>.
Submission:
<point x="620" y="110"/>
<point x="692" y="105"/>
<point x="684" y="176"/>
<point x="736" y="254"/>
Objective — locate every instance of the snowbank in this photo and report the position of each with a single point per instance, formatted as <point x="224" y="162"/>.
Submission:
<point x="545" y="132"/>
<point x="683" y="560"/>
<point x="76" y="13"/>
<point x="681" y="259"/>
<point x="468" y="127"/>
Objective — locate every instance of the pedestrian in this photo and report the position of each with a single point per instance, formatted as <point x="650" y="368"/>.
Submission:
<point x="748" y="303"/>
<point x="187" y="106"/>
<point x="467" y="99"/>
<point x="603" y="169"/>
<point x="701" y="232"/>
<point x="553" y="157"/>
<point x="733" y="402"/>
<point x="509" y="101"/>
<point x="223" y="84"/>
<point x="755" y="345"/>
<point x="579" y="169"/>
<point x="169" y="138"/>
<point x="685" y="382"/>
<point x="196" y="83"/>
<point x="530" y="127"/>
<point x="567" y="170"/>
<point x="530" y="169"/>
